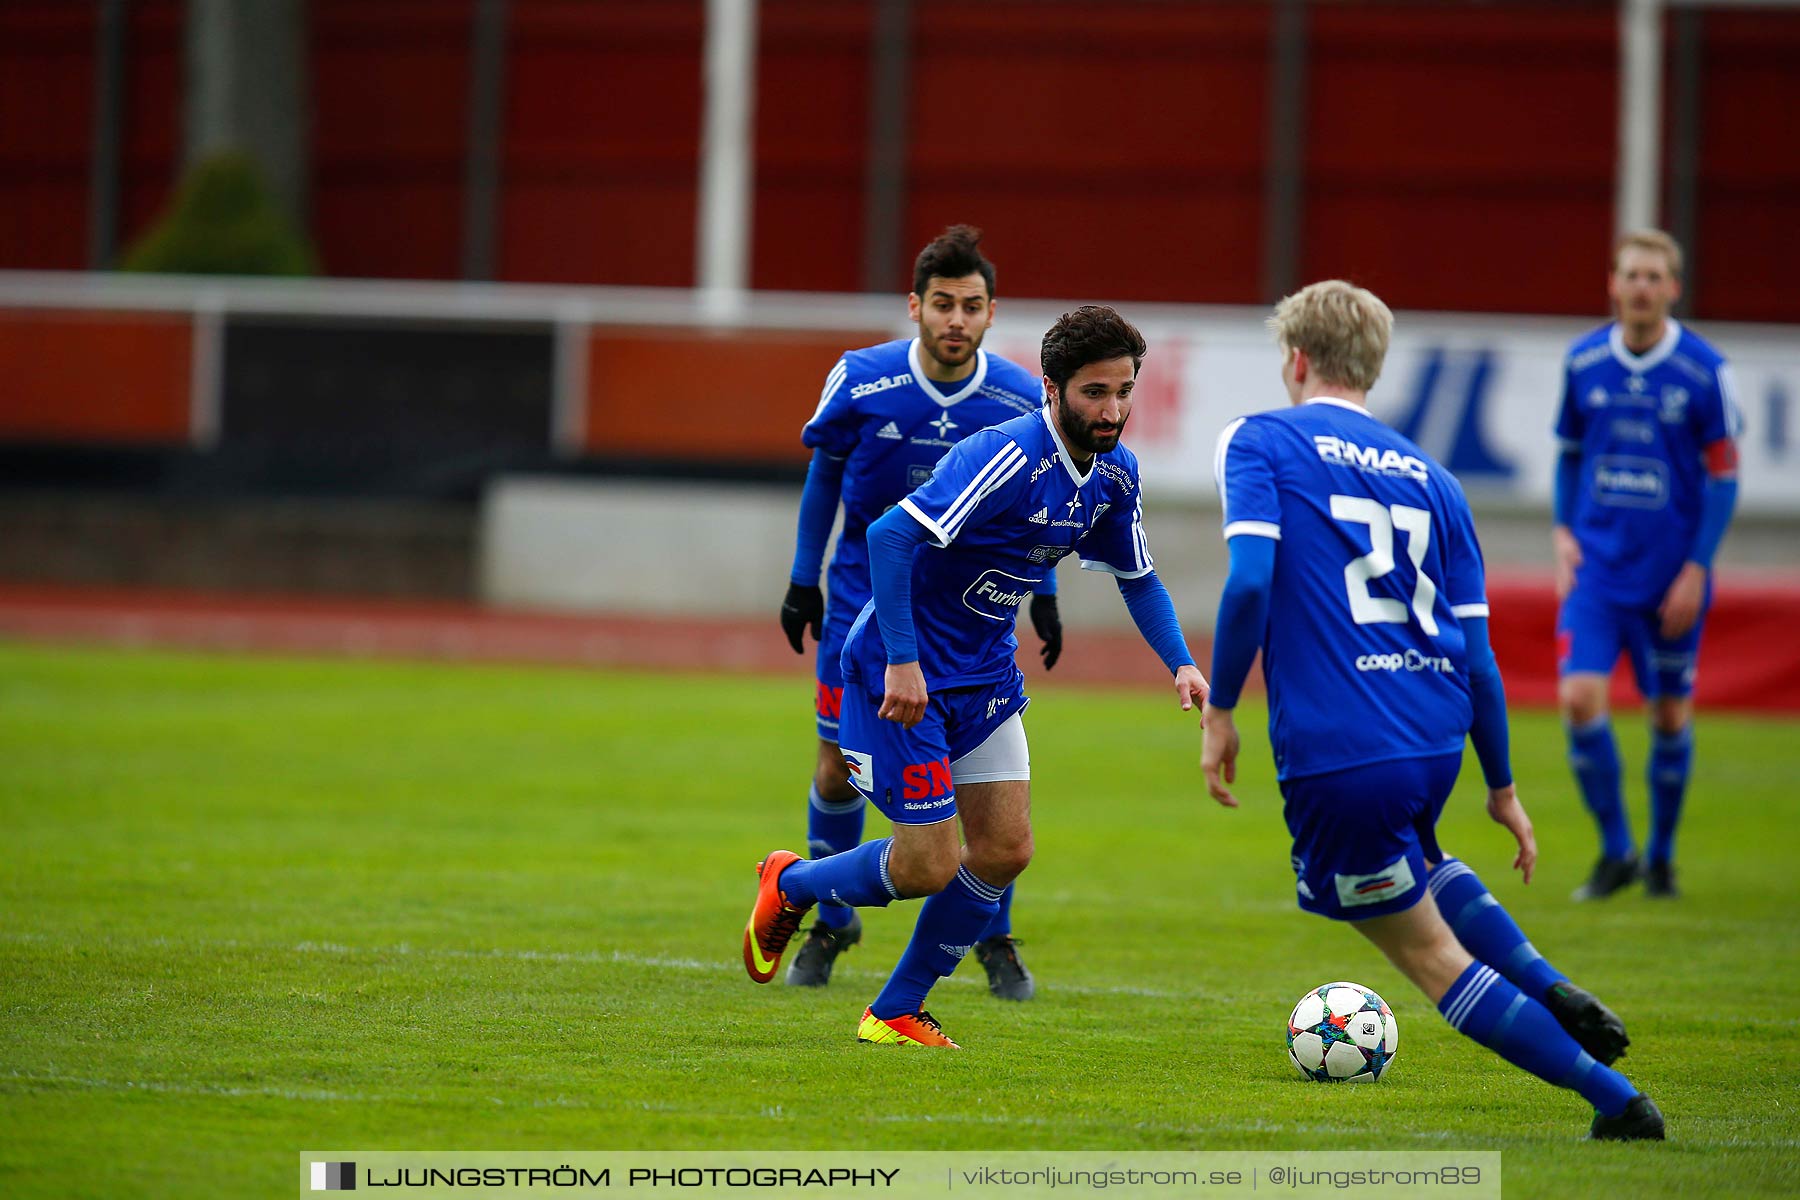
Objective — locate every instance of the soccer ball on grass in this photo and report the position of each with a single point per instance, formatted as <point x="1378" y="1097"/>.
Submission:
<point x="1342" y="1031"/>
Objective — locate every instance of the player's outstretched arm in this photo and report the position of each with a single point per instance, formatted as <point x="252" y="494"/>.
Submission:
<point x="1237" y="635"/>
<point x="1504" y="807"/>
<point x="1686" y="596"/>
<point x="1219" y="753"/>
<point x="1562" y="506"/>
<point x="804" y="604"/>
<point x="1488" y="731"/>
<point x="1147" y="600"/>
<point x="893" y="539"/>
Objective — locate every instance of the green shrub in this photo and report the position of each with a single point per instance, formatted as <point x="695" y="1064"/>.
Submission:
<point x="223" y="222"/>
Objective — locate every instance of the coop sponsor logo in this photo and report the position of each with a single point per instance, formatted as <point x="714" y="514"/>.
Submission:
<point x="1411" y="660"/>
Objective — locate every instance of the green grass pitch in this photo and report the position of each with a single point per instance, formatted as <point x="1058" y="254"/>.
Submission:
<point x="251" y="906"/>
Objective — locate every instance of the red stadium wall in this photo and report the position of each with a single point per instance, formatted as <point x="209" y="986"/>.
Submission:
<point x="1111" y="150"/>
<point x="1493" y="195"/>
<point x="1749" y="169"/>
<point x="1456" y="156"/>
<point x="389" y="128"/>
<point x="46" y="113"/>
<point x="151" y="136"/>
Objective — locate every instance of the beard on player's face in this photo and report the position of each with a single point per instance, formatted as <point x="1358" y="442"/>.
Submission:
<point x="1089" y="435"/>
<point x="952" y="351"/>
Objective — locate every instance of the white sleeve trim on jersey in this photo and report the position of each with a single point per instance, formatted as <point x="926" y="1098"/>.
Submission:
<point x="833" y="381"/>
<point x="1734" y="417"/>
<point x="1268" y="529"/>
<point x="1000" y="468"/>
<point x="936" y="530"/>
<point x="1219" y="461"/>
<point x="1094" y="564"/>
<point x="1469" y="610"/>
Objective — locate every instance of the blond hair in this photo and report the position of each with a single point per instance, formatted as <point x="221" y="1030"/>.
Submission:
<point x="1342" y="329"/>
<point x="1649" y="239"/>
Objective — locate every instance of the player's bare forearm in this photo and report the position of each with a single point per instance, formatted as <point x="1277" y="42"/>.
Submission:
<point x="1219" y="752"/>
<point x="1191" y="689"/>
<point x="1568" y="558"/>
<point x="1504" y="807"/>
<point x="904" y="697"/>
<point x="1680" y="606"/>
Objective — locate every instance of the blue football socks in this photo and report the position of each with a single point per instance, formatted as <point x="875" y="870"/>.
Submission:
<point x="832" y="827"/>
<point x="949" y="924"/>
<point x="1486" y="1008"/>
<point x="1671" y="761"/>
<point x="1488" y="931"/>
<point x="1595" y="756"/>
<point x="1001" y="925"/>
<point x="858" y="878"/>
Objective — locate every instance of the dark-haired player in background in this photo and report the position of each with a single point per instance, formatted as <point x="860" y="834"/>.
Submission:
<point x="1645" y="488"/>
<point x="887" y="415"/>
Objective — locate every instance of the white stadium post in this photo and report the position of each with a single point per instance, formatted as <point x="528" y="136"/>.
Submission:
<point x="1640" y="113"/>
<point x="725" y="155"/>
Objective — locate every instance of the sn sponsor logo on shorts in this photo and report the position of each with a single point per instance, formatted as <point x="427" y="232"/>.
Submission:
<point x="1411" y="660"/>
<point x="1340" y="453"/>
<point x="925" y="786"/>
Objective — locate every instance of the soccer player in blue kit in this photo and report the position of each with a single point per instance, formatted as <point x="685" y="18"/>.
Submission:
<point x="1645" y="487"/>
<point x="886" y="416"/>
<point x="931" y="726"/>
<point x="1378" y="664"/>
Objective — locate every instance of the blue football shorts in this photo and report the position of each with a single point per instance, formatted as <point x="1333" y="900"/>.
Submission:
<point x="1592" y="631"/>
<point x="1362" y="836"/>
<point x="911" y="774"/>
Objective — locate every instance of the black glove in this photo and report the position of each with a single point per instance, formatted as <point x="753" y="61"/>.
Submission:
<point x="1048" y="623"/>
<point x="803" y="606"/>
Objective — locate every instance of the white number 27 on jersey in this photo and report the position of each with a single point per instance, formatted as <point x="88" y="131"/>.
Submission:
<point x="1382" y="520"/>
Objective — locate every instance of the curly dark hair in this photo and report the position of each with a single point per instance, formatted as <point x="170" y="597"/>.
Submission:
<point x="952" y="254"/>
<point x="1092" y="333"/>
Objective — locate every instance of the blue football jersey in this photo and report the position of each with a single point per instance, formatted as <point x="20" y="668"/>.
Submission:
<point x="1002" y="508"/>
<point x="1641" y="423"/>
<point x="1363" y="654"/>
<point x="880" y="414"/>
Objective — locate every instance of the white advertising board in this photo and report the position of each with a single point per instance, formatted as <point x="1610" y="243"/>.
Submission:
<point x="1479" y="394"/>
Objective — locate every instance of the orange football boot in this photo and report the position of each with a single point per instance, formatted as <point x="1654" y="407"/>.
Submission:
<point x="919" y="1029"/>
<point x="772" y="919"/>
